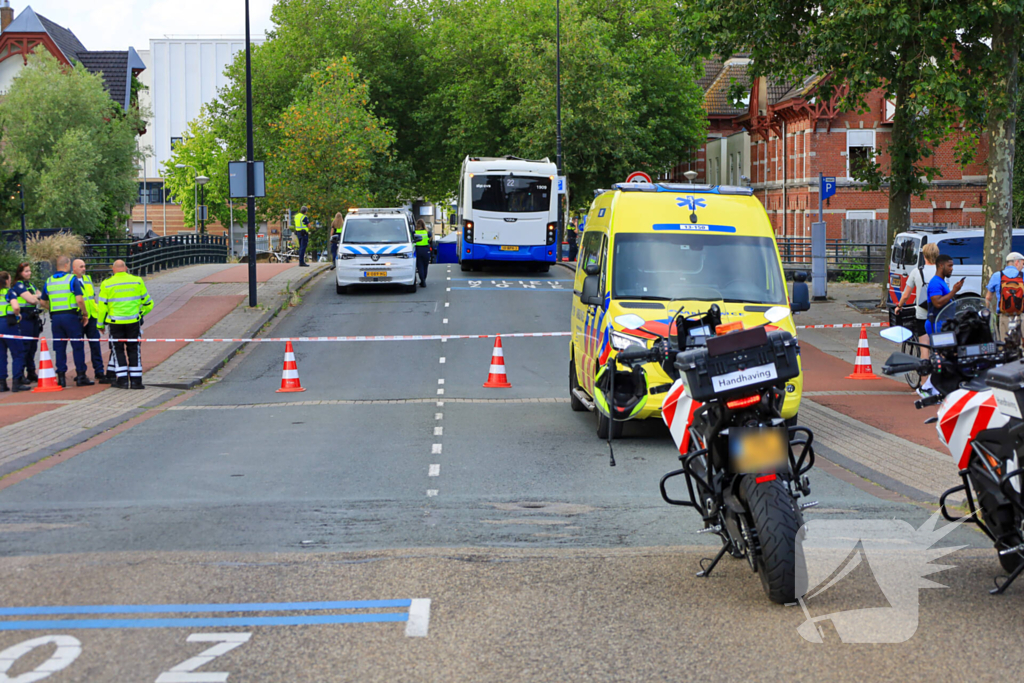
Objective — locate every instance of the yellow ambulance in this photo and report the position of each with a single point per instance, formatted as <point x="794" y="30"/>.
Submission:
<point x="655" y="250"/>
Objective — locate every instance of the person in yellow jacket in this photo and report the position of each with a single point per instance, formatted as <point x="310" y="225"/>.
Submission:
<point x="122" y="303"/>
<point x="92" y="326"/>
<point x="300" y="226"/>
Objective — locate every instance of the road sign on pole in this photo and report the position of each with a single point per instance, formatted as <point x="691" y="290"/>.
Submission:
<point x="638" y="177"/>
<point x="828" y="186"/>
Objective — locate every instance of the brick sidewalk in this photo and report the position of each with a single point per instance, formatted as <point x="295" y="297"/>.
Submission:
<point x="34" y="426"/>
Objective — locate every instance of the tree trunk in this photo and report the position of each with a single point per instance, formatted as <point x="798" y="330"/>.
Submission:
<point x="901" y="171"/>
<point x="1001" y="130"/>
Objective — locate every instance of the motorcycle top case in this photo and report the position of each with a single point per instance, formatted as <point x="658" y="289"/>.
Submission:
<point x="739" y="363"/>
<point x="1007" y="382"/>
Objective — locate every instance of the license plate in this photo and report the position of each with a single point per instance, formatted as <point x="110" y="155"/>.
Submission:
<point x="758" y="450"/>
<point x="894" y="280"/>
<point x="375" y="273"/>
<point x="510" y="248"/>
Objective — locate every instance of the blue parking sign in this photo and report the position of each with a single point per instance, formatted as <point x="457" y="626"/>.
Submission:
<point x="828" y="187"/>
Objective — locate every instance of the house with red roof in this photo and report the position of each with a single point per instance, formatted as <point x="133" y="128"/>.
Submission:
<point x="30" y="32"/>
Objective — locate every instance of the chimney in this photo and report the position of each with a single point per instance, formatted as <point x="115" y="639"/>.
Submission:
<point x="6" y="14"/>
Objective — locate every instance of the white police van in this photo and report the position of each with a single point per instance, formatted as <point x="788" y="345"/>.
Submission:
<point x="965" y="245"/>
<point x="376" y="247"/>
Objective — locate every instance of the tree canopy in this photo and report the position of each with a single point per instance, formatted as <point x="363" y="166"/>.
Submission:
<point x="76" y="154"/>
<point x="447" y="79"/>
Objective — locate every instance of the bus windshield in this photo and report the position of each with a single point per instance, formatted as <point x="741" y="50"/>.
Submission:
<point x="376" y="231"/>
<point x="511" y="194"/>
<point x="703" y="267"/>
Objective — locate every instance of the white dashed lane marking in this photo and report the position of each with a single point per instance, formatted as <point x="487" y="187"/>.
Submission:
<point x="440" y="381"/>
<point x="438" y="431"/>
<point x="440" y="392"/>
<point x="431" y="493"/>
<point x="442" y="359"/>
<point x="435" y="470"/>
<point x="438" y="416"/>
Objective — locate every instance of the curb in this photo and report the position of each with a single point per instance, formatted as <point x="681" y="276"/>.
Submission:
<point x="210" y="369"/>
<point x="571" y="265"/>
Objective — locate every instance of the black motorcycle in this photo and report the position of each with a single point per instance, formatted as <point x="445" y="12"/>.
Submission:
<point x="980" y="385"/>
<point x="745" y="468"/>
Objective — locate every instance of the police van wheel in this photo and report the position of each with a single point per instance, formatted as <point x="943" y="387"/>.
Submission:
<point x="410" y="289"/>
<point x="340" y="289"/>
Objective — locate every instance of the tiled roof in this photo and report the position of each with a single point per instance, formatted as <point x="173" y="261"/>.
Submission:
<point x="801" y="89"/>
<point x="30" y="22"/>
<point x="716" y="98"/>
<point x="113" y="66"/>
<point x="712" y="67"/>
<point x="67" y="41"/>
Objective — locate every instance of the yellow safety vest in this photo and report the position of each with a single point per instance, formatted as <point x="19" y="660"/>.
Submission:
<point x="89" y="294"/>
<point x="5" y="306"/>
<point x="60" y="292"/>
<point x="298" y="220"/>
<point x="123" y="300"/>
<point x="422" y="238"/>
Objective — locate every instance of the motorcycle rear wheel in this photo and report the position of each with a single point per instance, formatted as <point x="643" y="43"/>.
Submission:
<point x="777" y="521"/>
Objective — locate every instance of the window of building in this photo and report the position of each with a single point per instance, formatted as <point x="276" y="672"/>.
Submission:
<point x="174" y="142"/>
<point x="151" y="193"/>
<point x="860" y="148"/>
<point x="860" y="215"/>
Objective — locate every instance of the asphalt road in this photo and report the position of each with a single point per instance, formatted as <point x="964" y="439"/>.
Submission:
<point x="541" y="562"/>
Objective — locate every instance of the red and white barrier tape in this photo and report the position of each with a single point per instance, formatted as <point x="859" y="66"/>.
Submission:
<point x="408" y="337"/>
<point x="416" y="337"/>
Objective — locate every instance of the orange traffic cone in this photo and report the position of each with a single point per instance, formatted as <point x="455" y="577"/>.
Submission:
<point x="862" y="366"/>
<point x="496" y="378"/>
<point x="47" y="375"/>
<point x="290" y="374"/>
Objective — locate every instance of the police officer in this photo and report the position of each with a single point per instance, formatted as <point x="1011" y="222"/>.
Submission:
<point x="63" y="297"/>
<point x="10" y="313"/>
<point x="336" y="225"/>
<point x="122" y="303"/>
<point x="570" y="237"/>
<point x="300" y="224"/>
<point x="31" y="325"/>
<point x="91" y="329"/>
<point x="422" y="251"/>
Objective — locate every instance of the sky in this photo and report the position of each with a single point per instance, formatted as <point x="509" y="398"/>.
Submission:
<point x="117" y="24"/>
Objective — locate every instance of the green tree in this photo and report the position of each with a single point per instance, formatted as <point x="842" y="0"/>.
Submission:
<point x="76" y="153"/>
<point x="203" y="154"/>
<point x="897" y="46"/>
<point x="330" y="144"/>
<point x="1018" y="169"/>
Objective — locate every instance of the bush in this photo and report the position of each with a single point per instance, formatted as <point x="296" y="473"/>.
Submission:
<point x="53" y="246"/>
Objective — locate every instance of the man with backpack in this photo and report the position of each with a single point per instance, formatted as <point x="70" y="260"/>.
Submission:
<point x="1007" y="286"/>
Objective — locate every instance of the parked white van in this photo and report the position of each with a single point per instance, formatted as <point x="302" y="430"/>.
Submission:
<point x="965" y="245"/>
<point x="376" y="247"/>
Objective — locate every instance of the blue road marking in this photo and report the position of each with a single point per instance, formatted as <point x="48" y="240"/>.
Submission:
<point x="215" y="607"/>
<point x="210" y="622"/>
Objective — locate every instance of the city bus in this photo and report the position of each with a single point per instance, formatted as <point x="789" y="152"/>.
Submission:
<point x="507" y="211"/>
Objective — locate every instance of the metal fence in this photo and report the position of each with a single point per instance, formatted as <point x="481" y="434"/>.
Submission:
<point x="12" y="238"/>
<point x="853" y="261"/>
<point x="144" y="257"/>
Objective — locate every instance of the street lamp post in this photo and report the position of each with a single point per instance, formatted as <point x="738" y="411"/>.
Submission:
<point x="195" y="191"/>
<point x="558" y="121"/>
<point x="250" y="169"/>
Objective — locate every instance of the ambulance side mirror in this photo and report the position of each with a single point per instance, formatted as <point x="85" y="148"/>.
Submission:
<point x="591" y="295"/>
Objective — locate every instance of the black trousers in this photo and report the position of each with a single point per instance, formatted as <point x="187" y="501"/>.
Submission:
<point x="95" y="350"/>
<point x="303" y="236"/>
<point x="422" y="261"/>
<point x="129" y="361"/>
<point x="573" y="249"/>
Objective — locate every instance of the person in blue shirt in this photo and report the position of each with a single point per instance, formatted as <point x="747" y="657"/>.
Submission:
<point x="64" y="296"/>
<point x="940" y="293"/>
<point x="31" y="325"/>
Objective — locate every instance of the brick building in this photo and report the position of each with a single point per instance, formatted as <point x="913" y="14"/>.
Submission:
<point x="796" y="132"/>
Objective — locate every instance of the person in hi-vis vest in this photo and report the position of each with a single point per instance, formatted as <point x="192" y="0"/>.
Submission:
<point x="422" y="238"/>
<point x="300" y="225"/>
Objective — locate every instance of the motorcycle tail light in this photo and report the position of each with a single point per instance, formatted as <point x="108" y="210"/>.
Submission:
<point x="744" y="402"/>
